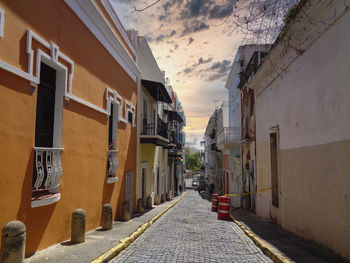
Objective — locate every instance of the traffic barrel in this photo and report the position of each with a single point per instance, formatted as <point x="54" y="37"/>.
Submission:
<point x="214" y="202"/>
<point x="224" y="208"/>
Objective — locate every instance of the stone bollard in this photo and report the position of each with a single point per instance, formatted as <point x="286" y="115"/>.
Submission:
<point x="13" y="242"/>
<point x="162" y="198"/>
<point x="107" y="217"/>
<point x="149" y="202"/>
<point x="126" y="211"/>
<point x="156" y="199"/>
<point x="78" y="226"/>
<point x="140" y="206"/>
<point x="167" y="198"/>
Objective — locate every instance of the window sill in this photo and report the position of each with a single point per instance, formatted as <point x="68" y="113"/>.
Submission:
<point x="112" y="180"/>
<point x="44" y="200"/>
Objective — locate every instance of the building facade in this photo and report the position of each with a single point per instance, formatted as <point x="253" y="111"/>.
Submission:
<point x="161" y="137"/>
<point x="68" y="96"/>
<point x="303" y="126"/>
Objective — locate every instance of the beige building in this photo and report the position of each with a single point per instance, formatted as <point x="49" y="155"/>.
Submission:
<point x="302" y="149"/>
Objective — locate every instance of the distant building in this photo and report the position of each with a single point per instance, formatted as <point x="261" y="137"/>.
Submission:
<point x="211" y="154"/>
<point x="233" y="140"/>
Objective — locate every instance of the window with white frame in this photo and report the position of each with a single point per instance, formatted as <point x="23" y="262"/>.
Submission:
<point x="2" y="22"/>
<point x="112" y="142"/>
<point x="47" y="169"/>
<point x="113" y="126"/>
<point x="130" y="113"/>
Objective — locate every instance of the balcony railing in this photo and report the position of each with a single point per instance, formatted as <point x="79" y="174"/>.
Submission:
<point x="154" y="128"/>
<point x="112" y="166"/>
<point x="47" y="169"/>
<point x="229" y="135"/>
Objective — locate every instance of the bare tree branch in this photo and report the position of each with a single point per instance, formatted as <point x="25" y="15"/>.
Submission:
<point x="143" y="9"/>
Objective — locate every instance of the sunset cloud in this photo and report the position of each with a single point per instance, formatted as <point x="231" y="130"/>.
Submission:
<point x="193" y="27"/>
<point x="186" y="37"/>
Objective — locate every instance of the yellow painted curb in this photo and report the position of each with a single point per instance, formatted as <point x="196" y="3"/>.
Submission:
<point x="269" y="250"/>
<point x="125" y="242"/>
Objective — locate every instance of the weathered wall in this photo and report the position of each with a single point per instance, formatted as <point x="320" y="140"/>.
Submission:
<point x="84" y="132"/>
<point x="310" y="105"/>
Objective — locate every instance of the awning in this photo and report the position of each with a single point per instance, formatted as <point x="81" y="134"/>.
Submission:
<point x="173" y="115"/>
<point x="157" y="90"/>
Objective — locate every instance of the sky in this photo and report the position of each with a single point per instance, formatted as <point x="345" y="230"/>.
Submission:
<point x="194" y="43"/>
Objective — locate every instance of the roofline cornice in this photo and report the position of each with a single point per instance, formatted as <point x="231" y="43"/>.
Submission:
<point x="88" y="13"/>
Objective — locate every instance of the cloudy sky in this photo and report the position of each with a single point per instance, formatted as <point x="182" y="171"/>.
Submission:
<point x="194" y="43"/>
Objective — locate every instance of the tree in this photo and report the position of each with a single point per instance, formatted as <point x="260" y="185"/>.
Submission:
<point x="193" y="162"/>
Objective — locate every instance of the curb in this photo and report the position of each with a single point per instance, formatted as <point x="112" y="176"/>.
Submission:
<point x="269" y="250"/>
<point x="125" y="242"/>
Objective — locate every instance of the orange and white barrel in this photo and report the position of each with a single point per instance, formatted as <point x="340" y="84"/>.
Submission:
<point x="224" y="208"/>
<point x="214" y="202"/>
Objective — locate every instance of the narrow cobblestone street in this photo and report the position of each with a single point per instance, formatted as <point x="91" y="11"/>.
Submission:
<point x="190" y="232"/>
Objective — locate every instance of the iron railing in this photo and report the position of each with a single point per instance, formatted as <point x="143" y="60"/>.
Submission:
<point x="112" y="163"/>
<point x="158" y="127"/>
<point x="47" y="169"/>
<point x="229" y="135"/>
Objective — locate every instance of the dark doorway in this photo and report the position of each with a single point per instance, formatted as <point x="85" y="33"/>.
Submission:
<point x="274" y="168"/>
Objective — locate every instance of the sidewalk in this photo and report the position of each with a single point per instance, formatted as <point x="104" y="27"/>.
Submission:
<point x="97" y="242"/>
<point x="279" y="244"/>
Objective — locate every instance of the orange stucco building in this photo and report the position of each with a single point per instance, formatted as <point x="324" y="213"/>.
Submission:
<point x="68" y="93"/>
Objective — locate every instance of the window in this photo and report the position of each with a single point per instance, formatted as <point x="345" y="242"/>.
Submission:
<point x="113" y="126"/>
<point x="112" y="143"/>
<point x="45" y="109"/>
<point x="130" y="117"/>
<point x="2" y="20"/>
<point x="129" y="113"/>
<point x="47" y="169"/>
<point x="144" y="114"/>
<point x="274" y="168"/>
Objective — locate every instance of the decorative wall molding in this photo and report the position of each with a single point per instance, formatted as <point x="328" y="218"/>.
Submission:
<point x="89" y="14"/>
<point x="54" y="56"/>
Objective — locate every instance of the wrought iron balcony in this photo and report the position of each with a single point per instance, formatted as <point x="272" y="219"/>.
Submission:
<point x="46" y="176"/>
<point x="48" y="168"/>
<point x="155" y="132"/>
<point x="154" y="128"/>
<point x="229" y="135"/>
<point x="112" y="166"/>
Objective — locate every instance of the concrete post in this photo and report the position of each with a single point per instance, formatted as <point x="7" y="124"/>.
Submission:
<point x="156" y="199"/>
<point x="149" y="202"/>
<point x="13" y="242"/>
<point x="162" y="198"/>
<point x="107" y="217"/>
<point x="140" y="206"/>
<point x="78" y="226"/>
<point x="167" y="198"/>
<point x="126" y="211"/>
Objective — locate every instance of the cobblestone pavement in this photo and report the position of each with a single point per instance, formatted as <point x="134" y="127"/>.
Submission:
<point x="190" y="232"/>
